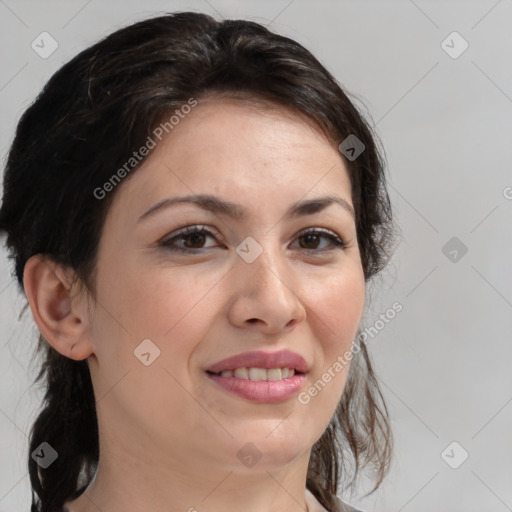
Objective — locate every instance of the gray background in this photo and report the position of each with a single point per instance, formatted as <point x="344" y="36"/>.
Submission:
<point x="446" y="125"/>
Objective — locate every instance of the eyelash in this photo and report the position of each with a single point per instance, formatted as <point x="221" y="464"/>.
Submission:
<point x="192" y="230"/>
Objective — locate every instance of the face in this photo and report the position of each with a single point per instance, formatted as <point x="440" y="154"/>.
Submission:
<point x="262" y="281"/>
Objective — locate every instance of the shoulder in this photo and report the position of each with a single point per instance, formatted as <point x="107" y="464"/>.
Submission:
<point x="341" y="506"/>
<point x="324" y="496"/>
<point x="344" y="507"/>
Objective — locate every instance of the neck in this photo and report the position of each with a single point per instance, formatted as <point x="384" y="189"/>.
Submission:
<point x="177" y="482"/>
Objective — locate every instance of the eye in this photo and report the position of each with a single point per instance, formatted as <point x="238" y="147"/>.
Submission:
<point x="193" y="236"/>
<point x="194" y="239"/>
<point x="312" y="237"/>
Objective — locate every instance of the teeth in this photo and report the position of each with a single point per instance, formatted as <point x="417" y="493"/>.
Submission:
<point x="242" y="373"/>
<point x="272" y="374"/>
<point x="257" y="374"/>
<point x="275" y="373"/>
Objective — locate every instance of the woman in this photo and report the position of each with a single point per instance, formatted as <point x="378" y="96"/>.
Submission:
<point x="194" y="209"/>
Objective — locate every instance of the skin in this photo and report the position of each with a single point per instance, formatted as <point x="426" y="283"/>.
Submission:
<point x="166" y="430"/>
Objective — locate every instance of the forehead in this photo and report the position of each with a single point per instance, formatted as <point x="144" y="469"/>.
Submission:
<point x="238" y="151"/>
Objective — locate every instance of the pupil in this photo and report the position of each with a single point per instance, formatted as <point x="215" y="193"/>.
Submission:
<point x="309" y="237"/>
<point x="190" y="237"/>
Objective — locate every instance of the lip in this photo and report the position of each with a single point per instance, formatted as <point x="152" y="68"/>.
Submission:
<point x="260" y="359"/>
<point x="261" y="391"/>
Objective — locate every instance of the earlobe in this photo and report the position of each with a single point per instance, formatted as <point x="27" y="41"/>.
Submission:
<point x="61" y="318"/>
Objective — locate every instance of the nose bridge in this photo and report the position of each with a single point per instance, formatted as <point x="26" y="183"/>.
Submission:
<point x="269" y="280"/>
<point x="265" y="267"/>
<point x="264" y="287"/>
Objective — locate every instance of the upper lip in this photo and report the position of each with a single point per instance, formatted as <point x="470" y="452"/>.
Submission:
<point x="259" y="359"/>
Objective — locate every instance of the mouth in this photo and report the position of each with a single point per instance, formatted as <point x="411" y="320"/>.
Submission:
<point x="263" y="377"/>
<point x="255" y="363"/>
<point x="259" y="374"/>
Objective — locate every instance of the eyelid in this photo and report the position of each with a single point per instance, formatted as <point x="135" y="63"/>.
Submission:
<point x="190" y="229"/>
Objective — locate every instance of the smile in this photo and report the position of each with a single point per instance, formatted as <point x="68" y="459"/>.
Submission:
<point x="268" y="374"/>
<point x="256" y="384"/>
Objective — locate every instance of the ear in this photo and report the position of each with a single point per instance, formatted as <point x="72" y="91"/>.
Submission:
<point x="62" y="318"/>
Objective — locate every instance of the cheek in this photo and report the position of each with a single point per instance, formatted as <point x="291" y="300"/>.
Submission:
<point x="337" y="303"/>
<point x="138" y="301"/>
<point x="172" y="306"/>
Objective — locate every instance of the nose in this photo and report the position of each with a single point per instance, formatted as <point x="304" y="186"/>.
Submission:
<point x="265" y="295"/>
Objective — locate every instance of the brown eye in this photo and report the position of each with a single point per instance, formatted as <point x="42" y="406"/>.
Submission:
<point x="312" y="239"/>
<point x="193" y="237"/>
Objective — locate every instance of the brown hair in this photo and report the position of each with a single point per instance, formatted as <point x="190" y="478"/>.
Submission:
<point x="89" y="118"/>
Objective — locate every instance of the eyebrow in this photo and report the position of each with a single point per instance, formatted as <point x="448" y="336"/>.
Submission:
<point x="219" y="206"/>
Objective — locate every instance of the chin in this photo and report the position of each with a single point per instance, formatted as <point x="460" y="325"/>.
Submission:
<point x="270" y="452"/>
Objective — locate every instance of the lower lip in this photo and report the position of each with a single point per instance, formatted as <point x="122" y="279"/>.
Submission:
<point x="261" y="391"/>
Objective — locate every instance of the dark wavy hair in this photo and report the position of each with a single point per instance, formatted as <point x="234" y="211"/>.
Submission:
<point x="90" y="117"/>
